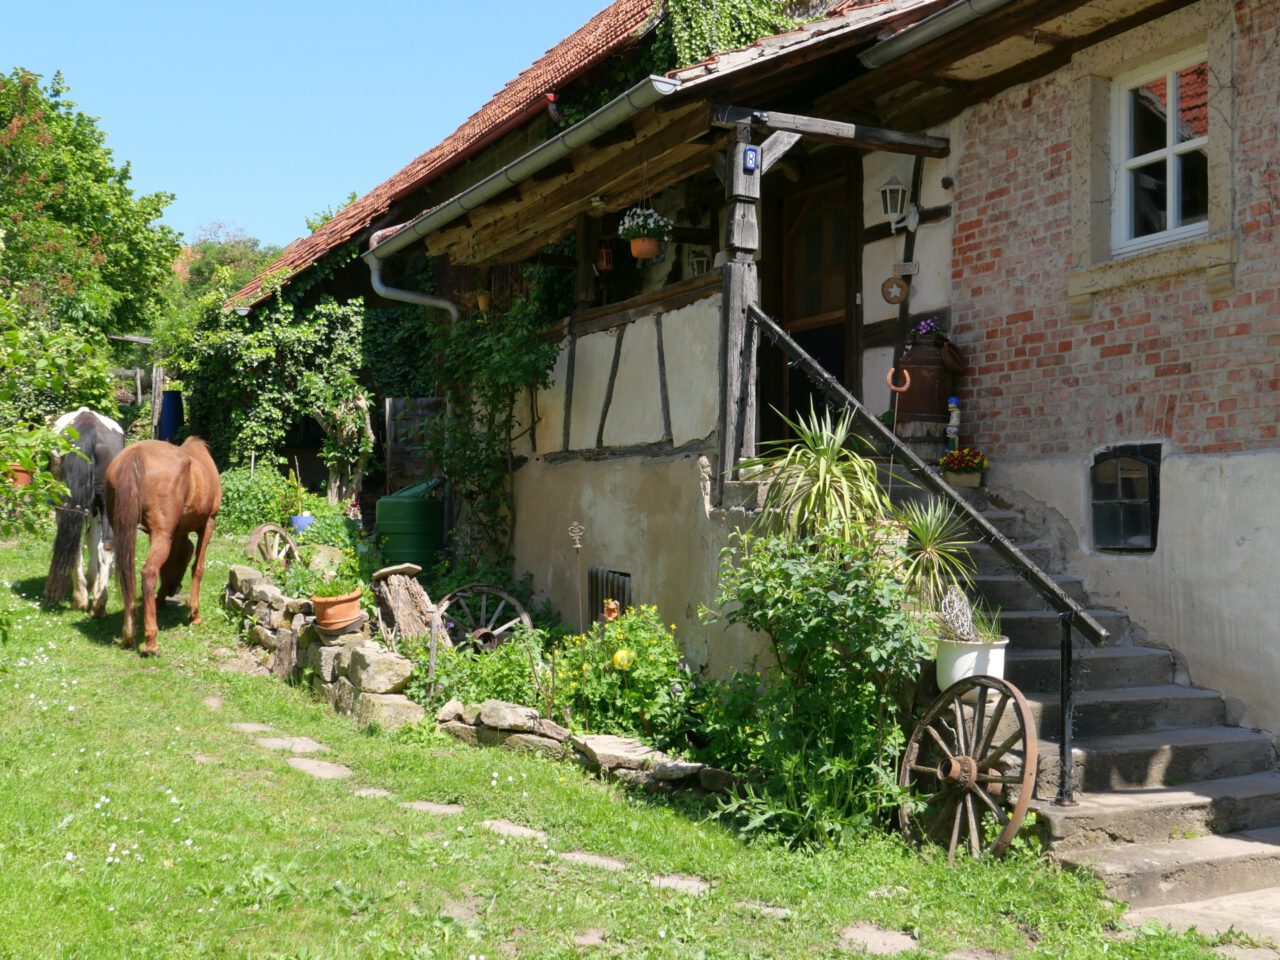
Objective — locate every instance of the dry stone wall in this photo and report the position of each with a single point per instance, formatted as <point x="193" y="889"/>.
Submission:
<point x="496" y="723"/>
<point x="358" y="677"/>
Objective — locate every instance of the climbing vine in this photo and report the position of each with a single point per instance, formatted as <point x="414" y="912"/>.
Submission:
<point x="484" y="368"/>
<point x="695" y="29"/>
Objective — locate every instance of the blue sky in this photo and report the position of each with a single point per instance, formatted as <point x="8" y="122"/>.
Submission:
<point x="258" y="114"/>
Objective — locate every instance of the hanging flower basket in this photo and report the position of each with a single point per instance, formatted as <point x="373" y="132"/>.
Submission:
<point x="647" y="229"/>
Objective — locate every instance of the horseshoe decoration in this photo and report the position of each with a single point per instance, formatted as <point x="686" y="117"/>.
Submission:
<point x="906" y="378"/>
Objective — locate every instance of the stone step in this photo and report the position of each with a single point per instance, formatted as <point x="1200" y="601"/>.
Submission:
<point x="1148" y="874"/>
<point x="1163" y="813"/>
<point x="986" y="560"/>
<point x="1010" y="524"/>
<point x="1100" y="713"/>
<point x="1039" y="629"/>
<point x="1157" y="758"/>
<point x="1009" y="591"/>
<point x="1094" y="668"/>
<point x="1253" y="913"/>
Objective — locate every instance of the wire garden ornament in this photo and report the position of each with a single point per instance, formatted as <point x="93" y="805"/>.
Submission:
<point x="957" y="615"/>
<point x="576" y="532"/>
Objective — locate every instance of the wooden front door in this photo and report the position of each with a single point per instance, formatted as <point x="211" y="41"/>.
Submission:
<point x="811" y="278"/>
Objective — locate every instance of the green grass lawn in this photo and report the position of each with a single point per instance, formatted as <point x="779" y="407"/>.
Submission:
<point x="134" y="822"/>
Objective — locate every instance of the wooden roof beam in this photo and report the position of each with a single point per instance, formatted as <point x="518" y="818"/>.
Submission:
<point x="834" y="131"/>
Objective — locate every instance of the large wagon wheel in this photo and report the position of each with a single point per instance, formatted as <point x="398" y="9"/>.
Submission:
<point x="970" y="768"/>
<point x="481" y="616"/>
<point x="271" y="542"/>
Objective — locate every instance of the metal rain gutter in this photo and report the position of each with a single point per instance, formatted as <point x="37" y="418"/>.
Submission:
<point x="614" y="113"/>
<point x="930" y="28"/>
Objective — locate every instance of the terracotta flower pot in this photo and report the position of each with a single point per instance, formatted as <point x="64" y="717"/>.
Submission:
<point x="644" y="248"/>
<point x="18" y="475"/>
<point x="334" y="612"/>
<point x="483" y="299"/>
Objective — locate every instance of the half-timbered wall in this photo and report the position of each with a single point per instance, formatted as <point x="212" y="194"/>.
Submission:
<point x="624" y="443"/>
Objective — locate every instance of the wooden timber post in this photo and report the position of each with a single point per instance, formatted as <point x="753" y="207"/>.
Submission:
<point x="740" y="290"/>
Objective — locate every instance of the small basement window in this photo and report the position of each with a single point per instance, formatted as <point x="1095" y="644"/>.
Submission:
<point x="1125" y="492"/>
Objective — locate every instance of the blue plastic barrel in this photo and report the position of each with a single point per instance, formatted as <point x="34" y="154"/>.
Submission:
<point x="170" y="414"/>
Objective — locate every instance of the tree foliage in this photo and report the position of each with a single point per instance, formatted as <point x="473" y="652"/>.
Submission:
<point x="83" y="250"/>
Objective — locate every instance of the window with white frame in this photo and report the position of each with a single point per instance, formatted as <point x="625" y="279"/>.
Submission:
<point x="1160" y="142"/>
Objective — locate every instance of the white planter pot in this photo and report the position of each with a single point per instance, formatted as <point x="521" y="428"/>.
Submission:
<point x="958" y="660"/>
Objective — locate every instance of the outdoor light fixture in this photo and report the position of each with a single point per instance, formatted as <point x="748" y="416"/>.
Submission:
<point x="894" y="203"/>
<point x="604" y="258"/>
<point x="242" y="311"/>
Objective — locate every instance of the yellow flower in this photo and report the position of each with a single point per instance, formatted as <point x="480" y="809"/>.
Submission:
<point x="585" y="667"/>
<point x="623" y="659"/>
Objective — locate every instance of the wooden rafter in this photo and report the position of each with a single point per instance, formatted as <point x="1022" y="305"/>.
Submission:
<point x="835" y="131"/>
<point x="550" y="207"/>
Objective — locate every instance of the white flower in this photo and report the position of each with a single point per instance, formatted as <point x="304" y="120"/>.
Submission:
<point x="69" y="857"/>
<point x="187" y="842"/>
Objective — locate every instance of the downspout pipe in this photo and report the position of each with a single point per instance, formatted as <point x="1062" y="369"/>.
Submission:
<point x="614" y="113"/>
<point x="408" y="296"/>
<point x="929" y="29"/>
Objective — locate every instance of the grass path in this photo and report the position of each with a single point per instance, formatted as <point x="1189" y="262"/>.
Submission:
<point x="136" y="822"/>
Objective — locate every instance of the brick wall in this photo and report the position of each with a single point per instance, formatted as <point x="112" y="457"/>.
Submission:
<point x="1162" y="359"/>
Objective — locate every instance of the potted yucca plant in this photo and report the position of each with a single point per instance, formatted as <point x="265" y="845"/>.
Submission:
<point x="647" y="229"/>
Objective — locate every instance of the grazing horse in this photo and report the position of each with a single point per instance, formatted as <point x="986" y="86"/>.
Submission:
<point x="99" y="440"/>
<point x="171" y="492"/>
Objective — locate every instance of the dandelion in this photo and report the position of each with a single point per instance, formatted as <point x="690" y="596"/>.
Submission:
<point x="70" y="857"/>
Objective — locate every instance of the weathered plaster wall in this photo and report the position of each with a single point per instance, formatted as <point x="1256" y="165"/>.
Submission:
<point x="1209" y="590"/>
<point x="643" y="516"/>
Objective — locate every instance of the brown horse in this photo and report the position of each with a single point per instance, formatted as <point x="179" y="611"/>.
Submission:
<point x="171" y="492"/>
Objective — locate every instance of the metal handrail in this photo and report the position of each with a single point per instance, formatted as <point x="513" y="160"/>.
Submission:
<point x="1070" y="614"/>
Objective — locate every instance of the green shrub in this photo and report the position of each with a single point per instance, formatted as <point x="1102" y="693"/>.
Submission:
<point x="624" y="677"/>
<point x="506" y="673"/>
<point x="250" y="498"/>
<point x="818" y="736"/>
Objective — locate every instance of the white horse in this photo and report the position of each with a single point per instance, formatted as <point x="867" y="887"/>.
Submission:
<point x="98" y="440"/>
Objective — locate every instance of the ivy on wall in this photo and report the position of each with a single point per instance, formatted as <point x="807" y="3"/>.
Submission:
<point x="695" y="29"/>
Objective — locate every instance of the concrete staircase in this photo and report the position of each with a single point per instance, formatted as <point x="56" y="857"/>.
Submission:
<point x="1176" y="803"/>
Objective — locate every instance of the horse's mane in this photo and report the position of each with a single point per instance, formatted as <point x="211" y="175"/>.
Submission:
<point x="196" y="443"/>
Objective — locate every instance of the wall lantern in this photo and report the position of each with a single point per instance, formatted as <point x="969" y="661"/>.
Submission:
<point x="893" y="201"/>
<point x="604" y="258"/>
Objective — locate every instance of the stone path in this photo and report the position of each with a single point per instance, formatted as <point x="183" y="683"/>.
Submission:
<point x="508" y="829"/>
<point x="213" y="702"/>
<point x="372" y="792"/>
<point x="439" y="809"/>
<point x="320" y="769"/>
<point x="593" y="860"/>
<point x="251" y="728"/>
<point x="292" y="744"/>
<point x="877" y="941"/>
<point x="680" y="882"/>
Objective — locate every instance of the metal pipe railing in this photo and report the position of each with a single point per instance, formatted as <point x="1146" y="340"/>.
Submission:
<point x="1071" y="615"/>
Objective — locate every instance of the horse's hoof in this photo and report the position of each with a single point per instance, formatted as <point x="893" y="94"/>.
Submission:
<point x="195" y="620"/>
<point x="127" y="643"/>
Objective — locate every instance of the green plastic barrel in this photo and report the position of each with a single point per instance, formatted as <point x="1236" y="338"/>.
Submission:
<point x="410" y="525"/>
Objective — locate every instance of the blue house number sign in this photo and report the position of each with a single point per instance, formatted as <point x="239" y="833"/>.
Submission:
<point x="750" y="159"/>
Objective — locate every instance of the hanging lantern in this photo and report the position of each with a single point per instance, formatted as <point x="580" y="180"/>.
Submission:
<point x="893" y="198"/>
<point x="604" y="258"/>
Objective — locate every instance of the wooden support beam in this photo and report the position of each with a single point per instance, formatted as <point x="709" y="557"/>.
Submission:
<point x="585" y="251"/>
<point x="835" y="131"/>
<point x="776" y="147"/>
<point x="741" y="290"/>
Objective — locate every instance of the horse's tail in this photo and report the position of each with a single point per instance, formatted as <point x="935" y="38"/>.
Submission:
<point x="78" y="473"/>
<point x="124" y="510"/>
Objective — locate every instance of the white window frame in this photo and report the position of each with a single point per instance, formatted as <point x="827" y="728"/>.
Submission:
<point x="1122" y="241"/>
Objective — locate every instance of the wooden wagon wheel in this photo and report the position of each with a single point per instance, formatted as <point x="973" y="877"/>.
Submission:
<point x="970" y="768"/>
<point x="481" y="616"/>
<point x="271" y="542"/>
